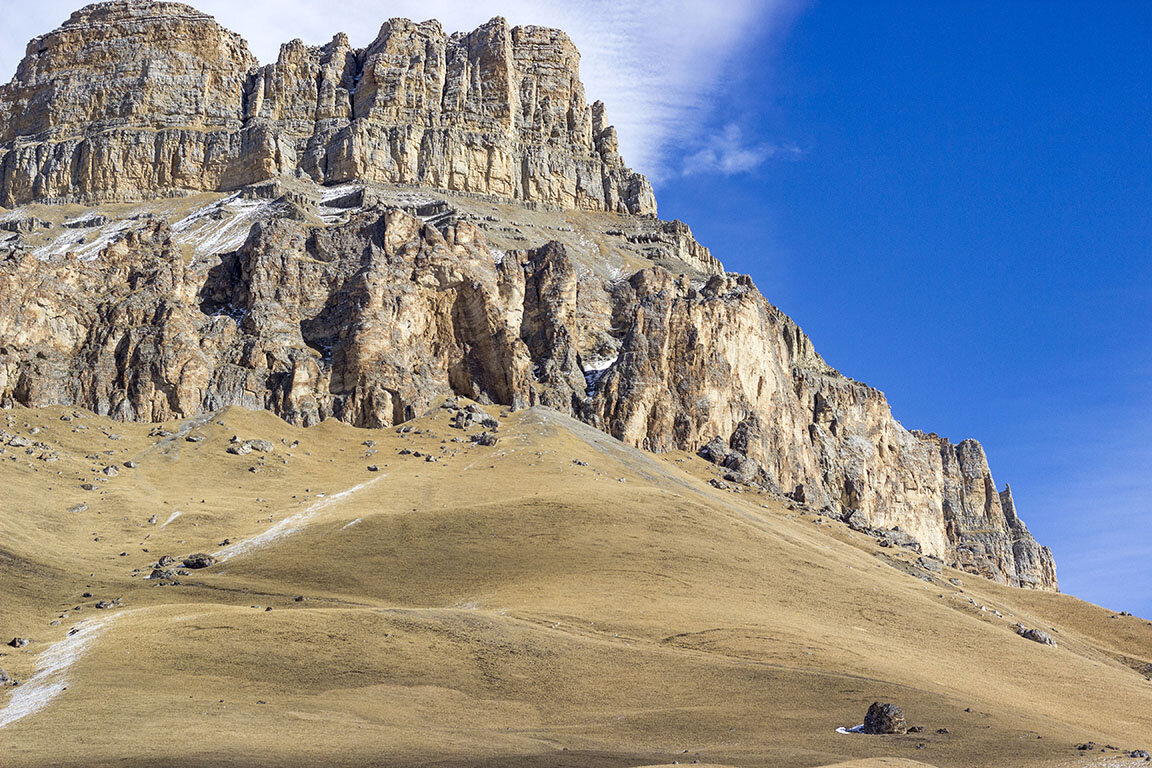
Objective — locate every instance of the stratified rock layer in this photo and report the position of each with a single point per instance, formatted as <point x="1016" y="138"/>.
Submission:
<point x="129" y="100"/>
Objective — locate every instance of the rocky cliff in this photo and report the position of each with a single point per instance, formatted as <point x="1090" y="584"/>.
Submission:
<point x="369" y="302"/>
<point x="131" y="99"/>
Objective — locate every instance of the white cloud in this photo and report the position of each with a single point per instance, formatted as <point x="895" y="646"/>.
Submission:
<point x="728" y="153"/>
<point x="656" y="64"/>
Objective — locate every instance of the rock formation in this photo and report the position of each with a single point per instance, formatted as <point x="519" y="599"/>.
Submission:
<point x="370" y="305"/>
<point x="134" y="99"/>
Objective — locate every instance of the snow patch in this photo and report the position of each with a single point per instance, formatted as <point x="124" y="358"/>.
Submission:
<point x="50" y="679"/>
<point x="857" y="729"/>
<point x="288" y="525"/>
<point x="174" y="515"/>
<point x="594" y="370"/>
<point x="220" y="227"/>
<point x="354" y="522"/>
<point x="89" y="220"/>
<point x="337" y="192"/>
<point x="621" y="272"/>
<point x="86" y="245"/>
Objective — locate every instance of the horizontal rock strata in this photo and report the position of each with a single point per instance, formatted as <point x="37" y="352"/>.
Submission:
<point x="129" y="100"/>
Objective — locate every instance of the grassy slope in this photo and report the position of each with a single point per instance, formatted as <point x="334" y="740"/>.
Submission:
<point x="507" y="607"/>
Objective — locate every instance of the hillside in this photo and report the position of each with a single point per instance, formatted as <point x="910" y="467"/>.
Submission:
<point x="556" y="599"/>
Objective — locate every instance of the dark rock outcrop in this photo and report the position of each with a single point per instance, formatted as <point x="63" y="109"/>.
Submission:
<point x="884" y="718"/>
<point x="198" y="561"/>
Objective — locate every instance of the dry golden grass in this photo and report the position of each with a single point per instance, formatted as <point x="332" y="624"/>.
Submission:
<point x="507" y="606"/>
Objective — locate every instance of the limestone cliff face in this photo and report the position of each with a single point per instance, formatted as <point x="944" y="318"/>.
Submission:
<point x="134" y="99"/>
<point x="375" y="320"/>
<point x="719" y="360"/>
<point x="371" y="302"/>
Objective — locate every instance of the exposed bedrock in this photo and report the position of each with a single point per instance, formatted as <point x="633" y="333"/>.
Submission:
<point x="374" y="321"/>
<point x="130" y="100"/>
<point x="371" y="302"/>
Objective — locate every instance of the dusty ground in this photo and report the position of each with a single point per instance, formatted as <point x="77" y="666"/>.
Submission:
<point x="502" y="606"/>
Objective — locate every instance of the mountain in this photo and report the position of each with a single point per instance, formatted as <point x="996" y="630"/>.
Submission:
<point x="551" y="485"/>
<point x="368" y="303"/>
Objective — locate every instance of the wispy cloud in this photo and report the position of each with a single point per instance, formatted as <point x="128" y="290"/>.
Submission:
<point x="729" y="153"/>
<point x="655" y="63"/>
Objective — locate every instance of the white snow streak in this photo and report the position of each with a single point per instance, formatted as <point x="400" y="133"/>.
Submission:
<point x="50" y="679"/>
<point x="220" y="227"/>
<point x="594" y="370"/>
<point x="175" y="515"/>
<point x="338" y="191"/>
<point x="85" y="245"/>
<point x="288" y="525"/>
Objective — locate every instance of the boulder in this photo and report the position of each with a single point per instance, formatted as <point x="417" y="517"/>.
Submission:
<point x="884" y="718"/>
<point x="715" y="450"/>
<point x="485" y="438"/>
<point x="1036" y="636"/>
<point x="199" y="560"/>
<point x="741" y="469"/>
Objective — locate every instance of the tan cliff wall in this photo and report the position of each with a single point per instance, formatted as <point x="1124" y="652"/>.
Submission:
<point x="719" y="360"/>
<point x="374" y="321"/>
<point x="129" y="100"/>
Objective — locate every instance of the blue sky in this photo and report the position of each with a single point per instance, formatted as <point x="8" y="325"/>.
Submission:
<point x="955" y="201"/>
